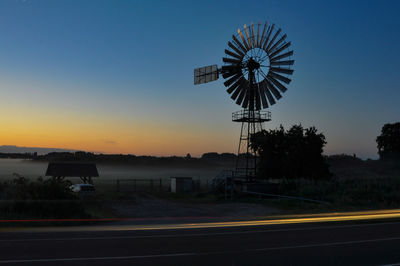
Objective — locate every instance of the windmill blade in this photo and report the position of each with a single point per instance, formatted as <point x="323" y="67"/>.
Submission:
<point x="258" y="34"/>
<point x="262" y="93"/>
<point x="229" y="73"/>
<point x="234" y="85"/>
<point x="269" y="95"/>
<point x="230" y="60"/>
<point x="279" y="85"/>
<point x="236" y="92"/>
<point x="273" y="59"/>
<point x="243" y="91"/>
<point x="277" y="43"/>
<point x="262" y="36"/>
<point x="274" y="91"/>
<point x="258" y="100"/>
<point x="271" y="29"/>
<point x="246" y="30"/>
<point x="229" y="81"/>
<point x="243" y="39"/>
<point x="231" y="45"/>
<point x="268" y="87"/>
<point x="280" y="77"/>
<point x="253" y="36"/>
<point x="230" y="68"/>
<point x="273" y="38"/>
<point x="280" y="49"/>
<point x="246" y="100"/>
<point x="233" y="54"/>
<point x="282" y="63"/>
<point x="282" y="70"/>
<point x="239" y="44"/>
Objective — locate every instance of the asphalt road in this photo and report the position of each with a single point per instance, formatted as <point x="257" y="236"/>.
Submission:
<point x="344" y="243"/>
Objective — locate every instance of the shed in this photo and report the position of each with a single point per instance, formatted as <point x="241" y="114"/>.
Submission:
<point x="85" y="171"/>
<point x="181" y="184"/>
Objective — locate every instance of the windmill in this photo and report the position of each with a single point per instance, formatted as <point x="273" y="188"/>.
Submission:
<point x="256" y="69"/>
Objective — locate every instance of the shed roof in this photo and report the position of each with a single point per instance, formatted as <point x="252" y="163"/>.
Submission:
<point x="72" y="169"/>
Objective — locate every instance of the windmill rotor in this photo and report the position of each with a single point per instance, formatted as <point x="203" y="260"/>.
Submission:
<point x="259" y="54"/>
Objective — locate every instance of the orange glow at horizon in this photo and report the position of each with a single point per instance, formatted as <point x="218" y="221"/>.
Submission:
<point x="38" y="114"/>
<point x="32" y="127"/>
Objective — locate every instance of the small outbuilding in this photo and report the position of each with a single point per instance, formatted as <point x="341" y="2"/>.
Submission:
<point x="85" y="171"/>
<point x="181" y="184"/>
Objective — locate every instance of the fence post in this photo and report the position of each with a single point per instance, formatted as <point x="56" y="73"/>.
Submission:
<point x="117" y="185"/>
<point x="160" y="184"/>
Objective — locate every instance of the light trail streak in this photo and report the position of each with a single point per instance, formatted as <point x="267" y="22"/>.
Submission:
<point x="337" y="218"/>
<point x="272" y="220"/>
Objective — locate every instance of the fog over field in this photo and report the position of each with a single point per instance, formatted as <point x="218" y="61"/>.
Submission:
<point x="34" y="169"/>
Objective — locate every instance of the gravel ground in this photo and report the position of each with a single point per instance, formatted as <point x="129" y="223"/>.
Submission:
<point x="152" y="207"/>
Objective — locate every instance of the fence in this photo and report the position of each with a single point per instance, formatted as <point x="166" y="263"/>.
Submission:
<point x="139" y="184"/>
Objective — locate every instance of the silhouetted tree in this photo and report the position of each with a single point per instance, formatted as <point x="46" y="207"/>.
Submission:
<point x="294" y="153"/>
<point x="389" y="141"/>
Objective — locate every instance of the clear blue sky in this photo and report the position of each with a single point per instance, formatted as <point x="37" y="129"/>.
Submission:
<point x="119" y="74"/>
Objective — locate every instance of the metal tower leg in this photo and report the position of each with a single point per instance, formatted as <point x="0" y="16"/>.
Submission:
<point x="246" y="163"/>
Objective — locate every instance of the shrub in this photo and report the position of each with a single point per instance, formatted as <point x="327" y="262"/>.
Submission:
<point x="50" y="198"/>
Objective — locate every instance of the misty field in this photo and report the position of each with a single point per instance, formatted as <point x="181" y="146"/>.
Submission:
<point x="34" y="169"/>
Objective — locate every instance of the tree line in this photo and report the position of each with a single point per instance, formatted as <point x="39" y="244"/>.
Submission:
<point x="298" y="152"/>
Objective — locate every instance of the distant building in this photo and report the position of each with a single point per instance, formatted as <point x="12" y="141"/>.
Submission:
<point x="181" y="184"/>
<point x="85" y="171"/>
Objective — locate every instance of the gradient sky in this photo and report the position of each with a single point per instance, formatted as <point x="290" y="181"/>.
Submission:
<point x="117" y="76"/>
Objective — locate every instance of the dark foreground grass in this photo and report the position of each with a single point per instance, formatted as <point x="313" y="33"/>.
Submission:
<point x="42" y="209"/>
<point x="51" y="199"/>
<point x="338" y="194"/>
<point x="348" y="193"/>
<point x="23" y="198"/>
